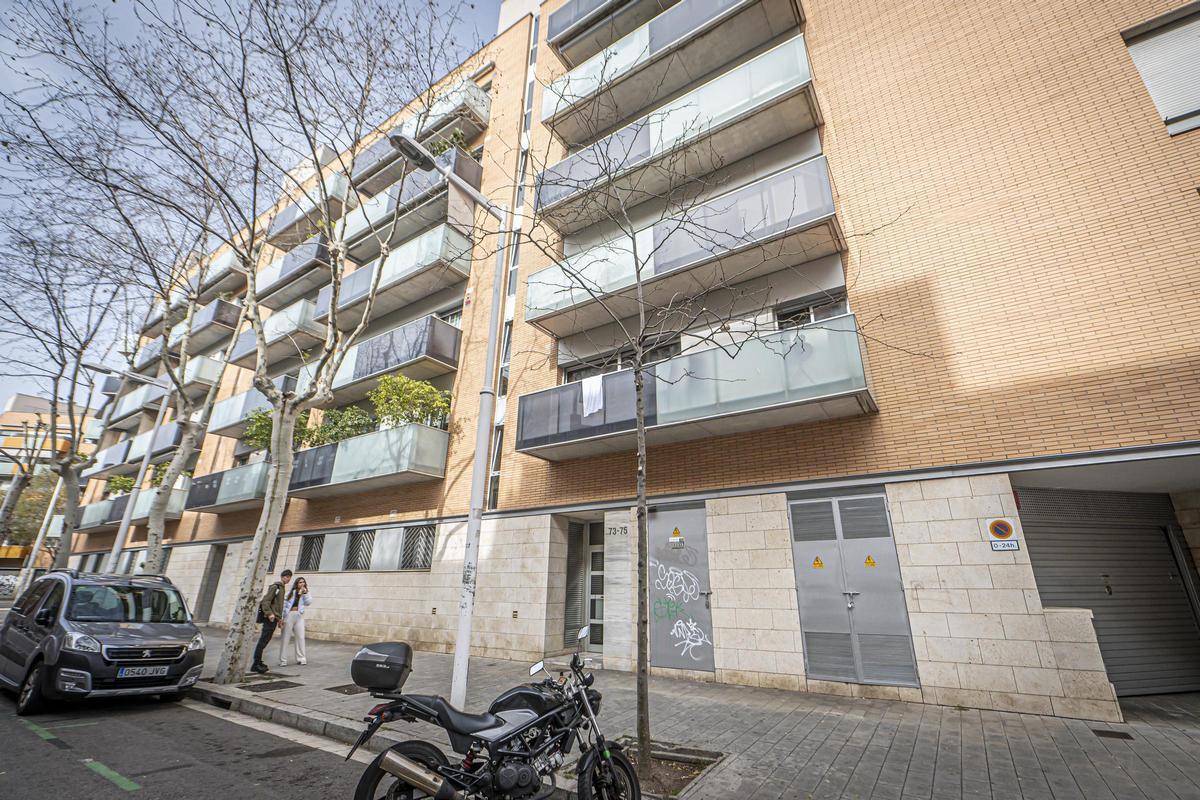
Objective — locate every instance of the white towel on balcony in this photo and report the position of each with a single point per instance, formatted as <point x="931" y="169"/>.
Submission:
<point x="593" y="395"/>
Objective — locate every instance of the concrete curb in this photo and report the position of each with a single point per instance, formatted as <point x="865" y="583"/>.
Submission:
<point x="302" y="719"/>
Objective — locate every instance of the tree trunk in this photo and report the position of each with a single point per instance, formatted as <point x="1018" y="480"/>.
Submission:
<point x="70" y="479"/>
<point x="258" y="554"/>
<point x="156" y="525"/>
<point x="9" y="507"/>
<point x="643" y="571"/>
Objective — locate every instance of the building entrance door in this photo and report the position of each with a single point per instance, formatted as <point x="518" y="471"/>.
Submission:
<point x="208" y="583"/>
<point x="595" y="587"/>
<point x="852" y="611"/>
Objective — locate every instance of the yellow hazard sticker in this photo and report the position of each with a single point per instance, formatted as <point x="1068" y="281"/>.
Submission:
<point x="676" y="532"/>
<point x="818" y="563"/>
<point x="870" y="562"/>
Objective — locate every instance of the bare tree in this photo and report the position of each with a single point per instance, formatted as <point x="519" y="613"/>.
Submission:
<point x="205" y="114"/>
<point x="58" y="315"/>
<point x="668" y="259"/>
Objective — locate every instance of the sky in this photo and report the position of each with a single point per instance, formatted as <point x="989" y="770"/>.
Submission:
<point x="478" y="25"/>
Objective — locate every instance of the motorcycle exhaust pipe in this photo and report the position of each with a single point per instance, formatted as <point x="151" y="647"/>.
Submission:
<point x="419" y="776"/>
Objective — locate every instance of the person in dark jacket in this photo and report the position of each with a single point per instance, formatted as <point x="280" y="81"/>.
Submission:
<point x="270" y="614"/>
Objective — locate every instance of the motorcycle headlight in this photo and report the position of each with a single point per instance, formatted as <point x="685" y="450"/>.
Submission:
<point x="81" y="643"/>
<point x="197" y="642"/>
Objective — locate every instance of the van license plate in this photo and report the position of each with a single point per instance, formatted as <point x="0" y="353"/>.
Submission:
<point x="141" y="672"/>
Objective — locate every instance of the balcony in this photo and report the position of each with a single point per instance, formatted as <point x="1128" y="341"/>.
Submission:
<point x="103" y="514"/>
<point x="166" y="312"/>
<point x="200" y="375"/>
<point x="465" y="108"/>
<point x="300" y="219"/>
<point x="231" y="490"/>
<point x="780" y="221"/>
<point x="753" y="106"/>
<point x="143" y="398"/>
<point x="581" y="28"/>
<point x="288" y="333"/>
<point x="223" y="276"/>
<point x="435" y="260"/>
<point x="297" y="273"/>
<point x="787" y="378"/>
<point x="107" y="460"/>
<point x="141" y="507"/>
<point x="148" y="356"/>
<point x="162" y="443"/>
<point x="211" y="325"/>
<point x="422" y="349"/>
<point x="109" y="385"/>
<point x="419" y="200"/>
<point x="688" y="40"/>
<point x="391" y="457"/>
<point x="228" y="417"/>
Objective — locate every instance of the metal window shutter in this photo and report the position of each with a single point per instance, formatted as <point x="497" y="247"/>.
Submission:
<point x="1169" y="62"/>
<point x="1083" y="543"/>
<point x="573" y="617"/>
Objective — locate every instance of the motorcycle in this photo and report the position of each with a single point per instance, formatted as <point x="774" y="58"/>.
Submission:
<point x="510" y="752"/>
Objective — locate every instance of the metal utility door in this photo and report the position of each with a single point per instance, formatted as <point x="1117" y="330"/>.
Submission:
<point x="680" y="595"/>
<point x="1113" y="552"/>
<point x="852" y="610"/>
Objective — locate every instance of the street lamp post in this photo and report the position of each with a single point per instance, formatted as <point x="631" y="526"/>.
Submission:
<point x="422" y="159"/>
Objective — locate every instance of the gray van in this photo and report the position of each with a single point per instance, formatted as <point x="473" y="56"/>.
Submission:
<point x="74" y="635"/>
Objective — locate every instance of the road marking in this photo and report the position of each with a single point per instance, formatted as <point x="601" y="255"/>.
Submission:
<point x="44" y="734"/>
<point x="112" y="775"/>
<point x="58" y="727"/>
<point x="282" y="731"/>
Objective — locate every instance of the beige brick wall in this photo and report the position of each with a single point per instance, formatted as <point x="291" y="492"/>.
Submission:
<point x="981" y="635"/>
<point x="756" y="624"/>
<point x="186" y="570"/>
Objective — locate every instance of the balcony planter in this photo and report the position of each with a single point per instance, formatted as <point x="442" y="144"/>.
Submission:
<point x="391" y="457"/>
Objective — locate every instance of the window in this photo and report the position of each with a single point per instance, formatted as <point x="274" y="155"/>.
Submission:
<point x="310" y="552"/>
<point x="54" y="601"/>
<point x="493" y="493"/>
<point x="452" y="316"/>
<point x="418" y="547"/>
<point x="622" y="359"/>
<point x="358" y="550"/>
<point x="274" y="556"/>
<point x="1166" y="52"/>
<point x="810" y="310"/>
<point x="32" y="597"/>
<point x="125" y="604"/>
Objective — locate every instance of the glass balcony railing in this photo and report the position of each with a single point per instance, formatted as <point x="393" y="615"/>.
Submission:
<point x="421" y="349"/>
<point x="287" y="332"/>
<point x="297" y="220"/>
<point x="735" y="96"/>
<point x="140" y="398"/>
<point x="441" y="247"/>
<point x="210" y="325"/>
<point x="222" y="275"/>
<point x="294" y="274"/>
<point x="200" y="373"/>
<point x="388" y="216"/>
<point x="788" y="201"/>
<point x="464" y="107"/>
<point x="102" y="513"/>
<point x="175" y="503"/>
<point x="108" y="459"/>
<point x="148" y="355"/>
<point x="240" y="487"/>
<point x="393" y="456"/>
<point x="229" y="416"/>
<point x="744" y="25"/>
<point x="580" y="28"/>
<point x="796" y="375"/>
<point x="163" y="442"/>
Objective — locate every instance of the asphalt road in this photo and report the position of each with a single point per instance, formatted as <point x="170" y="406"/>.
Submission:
<point x="144" y="748"/>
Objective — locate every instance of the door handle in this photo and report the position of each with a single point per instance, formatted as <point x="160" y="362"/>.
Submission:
<point x="707" y="599"/>
<point x="852" y="594"/>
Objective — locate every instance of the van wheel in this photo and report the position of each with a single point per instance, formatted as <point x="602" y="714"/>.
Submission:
<point x="30" y="698"/>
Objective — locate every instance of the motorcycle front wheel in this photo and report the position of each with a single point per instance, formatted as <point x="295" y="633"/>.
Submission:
<point x="376" y="784"/>
<point x="613" y="780"/>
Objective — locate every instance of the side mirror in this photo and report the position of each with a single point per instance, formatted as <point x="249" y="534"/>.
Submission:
<point x="584" y="633"/>
<point x="536" y="668"/>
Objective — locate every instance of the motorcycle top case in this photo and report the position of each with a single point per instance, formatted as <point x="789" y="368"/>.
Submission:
<point x="382" y="667"/>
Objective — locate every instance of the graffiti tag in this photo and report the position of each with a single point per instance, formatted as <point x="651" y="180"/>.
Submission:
<point x="688" y="636"/>
<point x="677" y="584"/>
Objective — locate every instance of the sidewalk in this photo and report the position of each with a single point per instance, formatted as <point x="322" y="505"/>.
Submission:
<point x="780" y="744"/>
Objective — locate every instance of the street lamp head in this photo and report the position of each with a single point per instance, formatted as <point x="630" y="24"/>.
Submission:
<point x="412" y="150"/>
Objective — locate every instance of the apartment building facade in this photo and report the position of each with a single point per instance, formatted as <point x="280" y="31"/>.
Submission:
<point x="25" y="436"/>
<point x="922" y="416"/>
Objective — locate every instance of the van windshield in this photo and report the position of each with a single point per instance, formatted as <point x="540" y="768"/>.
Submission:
<point x="126" y="604"/>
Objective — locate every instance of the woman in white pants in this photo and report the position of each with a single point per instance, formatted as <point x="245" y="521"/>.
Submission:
<point x="294" y="606"/>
